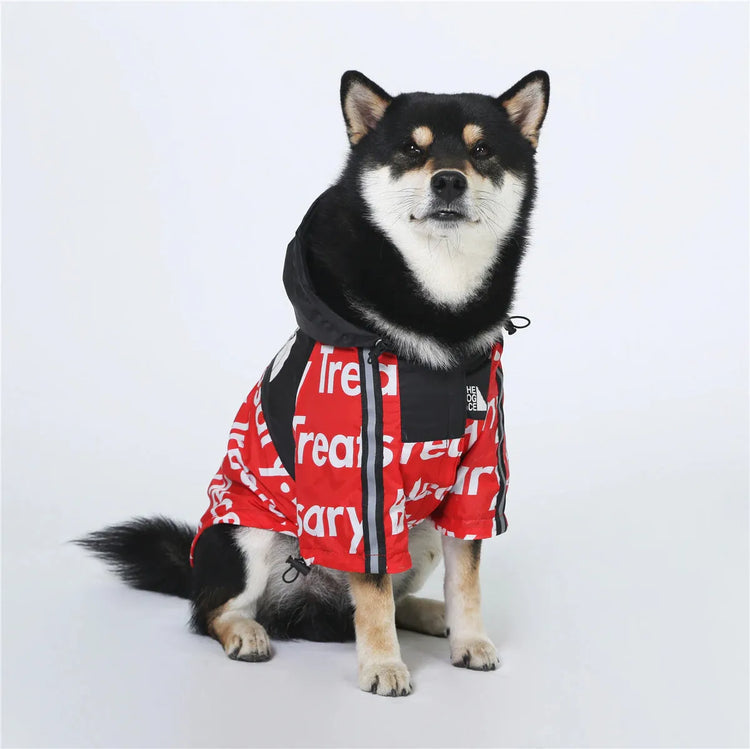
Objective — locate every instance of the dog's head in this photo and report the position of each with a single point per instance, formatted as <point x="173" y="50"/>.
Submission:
<point x="445" y="177"/>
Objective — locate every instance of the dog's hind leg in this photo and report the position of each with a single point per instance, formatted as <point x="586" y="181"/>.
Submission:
<point x="230" y="574"/>
<point x="381" y="669"/>
<point x="423" y="615"/>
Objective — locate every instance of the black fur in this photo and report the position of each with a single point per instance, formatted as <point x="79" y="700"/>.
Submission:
<point x="349" y="257"/>
<point x="154" y="554"/>
<point x="375" y="271"/>
<point x="476" y="552"/>
<point x="309" y="611"/>
<point x="218" y="573"/>
<point x="147" y="553"/>
<point x="307" y="616"/>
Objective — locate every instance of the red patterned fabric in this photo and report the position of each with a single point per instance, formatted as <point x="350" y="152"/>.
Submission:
<point x="460" y="484"/>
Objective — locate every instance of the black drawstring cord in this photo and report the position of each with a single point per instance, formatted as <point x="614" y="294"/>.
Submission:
<point x="295" y="565"/>
<point x="512" y="327"/>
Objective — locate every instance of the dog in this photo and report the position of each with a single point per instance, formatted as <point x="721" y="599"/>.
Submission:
<point x="374" y="442"/>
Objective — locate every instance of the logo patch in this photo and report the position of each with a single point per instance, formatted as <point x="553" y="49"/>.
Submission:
<point x="476" y="405"/>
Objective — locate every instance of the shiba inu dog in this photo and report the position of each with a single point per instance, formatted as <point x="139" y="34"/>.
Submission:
<point x="374" y="441"/>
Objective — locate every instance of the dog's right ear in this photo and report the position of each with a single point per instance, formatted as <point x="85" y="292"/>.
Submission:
<point x="363" y="103"/>
<point x="526" y="104"/>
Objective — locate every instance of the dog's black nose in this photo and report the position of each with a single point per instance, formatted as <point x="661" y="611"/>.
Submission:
<point x="448" y="185"/>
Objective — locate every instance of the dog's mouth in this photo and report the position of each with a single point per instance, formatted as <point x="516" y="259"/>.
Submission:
<point x="444" y="216"/>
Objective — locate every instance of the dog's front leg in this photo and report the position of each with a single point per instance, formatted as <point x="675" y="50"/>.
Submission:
<point x="469" y="644"/>
<point x="381" y="669"/>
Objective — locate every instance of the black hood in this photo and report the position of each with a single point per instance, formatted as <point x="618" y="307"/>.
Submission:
<point x="321" y="323"/>
<point x="314" y="317"/>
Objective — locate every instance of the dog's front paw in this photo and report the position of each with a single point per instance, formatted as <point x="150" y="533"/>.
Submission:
<point x="390" y="679"/>
<point x="247" y="641"/>
<point x="477" y="653"/>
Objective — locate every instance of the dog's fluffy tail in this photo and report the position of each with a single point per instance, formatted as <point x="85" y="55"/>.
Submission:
<point x="147" y="553"/>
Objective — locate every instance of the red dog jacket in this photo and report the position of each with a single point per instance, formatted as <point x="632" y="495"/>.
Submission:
<point x="346" y="446"/>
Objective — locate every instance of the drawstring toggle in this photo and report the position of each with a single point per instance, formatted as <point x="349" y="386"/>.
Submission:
<point x="512" y="324"/>
<point x="295" y="565"/>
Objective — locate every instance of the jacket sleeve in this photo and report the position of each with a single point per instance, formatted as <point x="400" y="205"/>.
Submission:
<point x="251" y="487"/>
<point x="475" y="506"/>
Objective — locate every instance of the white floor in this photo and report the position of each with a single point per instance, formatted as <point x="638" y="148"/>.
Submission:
<point x="618" y="600"/>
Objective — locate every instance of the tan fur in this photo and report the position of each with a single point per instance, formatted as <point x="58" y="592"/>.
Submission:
<point x="476" y="180"/>
<point x="363" y="108"/>
<point x="218" y="623"/>
<point x="374" y="615"/>
<point x="421" y="615"/>
<point x="527" y="109"/>
<point x="380" y="667"/>
<point x="422" y="136"/>
<point x="466" y="576"/>
<point x="429" y="168"/>
<point x="466" y="581"/>
<point x="241" y="636"/>
<point x="469" y="644"/>
<point x="472" y="134"/>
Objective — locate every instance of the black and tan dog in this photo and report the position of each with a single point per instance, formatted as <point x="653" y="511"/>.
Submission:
<point x="417" y="247"/>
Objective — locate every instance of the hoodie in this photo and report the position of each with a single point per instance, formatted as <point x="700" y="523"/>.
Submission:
<point x="346" y="446"/>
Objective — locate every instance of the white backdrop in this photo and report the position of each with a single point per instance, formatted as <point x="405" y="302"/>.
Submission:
<point x="157" y="159"/>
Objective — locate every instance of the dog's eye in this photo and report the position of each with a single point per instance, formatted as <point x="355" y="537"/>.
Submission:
<point x="481" y="151"/>
<point x="411" y="149"/>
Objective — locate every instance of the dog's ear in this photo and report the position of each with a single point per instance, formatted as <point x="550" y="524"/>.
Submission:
<point x="363" y="103"/>
<point x="526" y="104"/>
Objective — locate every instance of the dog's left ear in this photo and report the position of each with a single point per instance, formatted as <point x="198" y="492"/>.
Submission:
<point x="526" y="104"/>
<point x="363" y="103"/>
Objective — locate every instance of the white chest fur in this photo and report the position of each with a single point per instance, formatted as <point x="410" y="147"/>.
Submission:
<point x="450" y="262"/>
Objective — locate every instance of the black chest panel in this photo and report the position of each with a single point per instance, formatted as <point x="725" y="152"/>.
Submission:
<point x="435" y="404"/>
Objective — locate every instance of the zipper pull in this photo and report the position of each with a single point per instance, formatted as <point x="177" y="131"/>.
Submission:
<point x="376" y="350"/>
